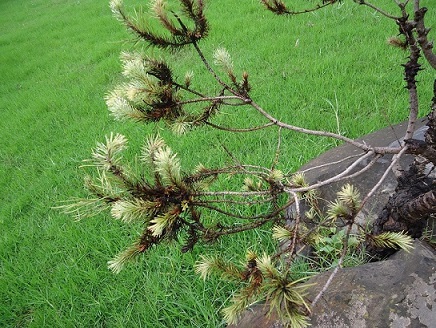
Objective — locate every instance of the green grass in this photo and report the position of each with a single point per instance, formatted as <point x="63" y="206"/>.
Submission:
<point x="59" y="58"/>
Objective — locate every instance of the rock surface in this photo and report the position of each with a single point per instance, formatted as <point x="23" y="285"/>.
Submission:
<point x="396" y="293"/>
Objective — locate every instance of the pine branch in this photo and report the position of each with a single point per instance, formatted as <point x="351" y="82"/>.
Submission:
<point x="278" y="7"/>
<point x="179" y="37"/>
<point x="392" y="240"/>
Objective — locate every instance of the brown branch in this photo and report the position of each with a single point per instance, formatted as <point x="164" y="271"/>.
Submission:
<point x="277" y="154"/>
<point x="274" y="121"/>
<point x="380" y="11"/>
<point x="413" y="113"/>
<point x="279" y="8"/>
<point x="229" y="214"/>
<point x="383" y="177"/>
<point x="207" y="99"/>
<point x="212" y="71"/>
<point x="422" y="31"/>
<point x="363" y="146"/>
<point x="330" y="163"/>
<point x="297" y="222"/>
<point x="412" y="65"/>
<point x="250" y="226"/>
<point x="253" y="217"/>
<point x="233" y="193"/>
<point x="343" y="175"/>
<point x="238" y="169"/>
<point x="239" y="130"/>
<point x="231" y="201"/>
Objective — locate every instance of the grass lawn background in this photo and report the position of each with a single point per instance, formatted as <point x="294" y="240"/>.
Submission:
<point x="57" y="61"/>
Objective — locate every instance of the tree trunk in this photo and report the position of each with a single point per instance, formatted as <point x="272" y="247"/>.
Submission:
<point x="414" y="200"/>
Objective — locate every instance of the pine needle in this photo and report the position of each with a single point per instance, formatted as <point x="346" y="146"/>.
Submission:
<point x="393" y="240"/>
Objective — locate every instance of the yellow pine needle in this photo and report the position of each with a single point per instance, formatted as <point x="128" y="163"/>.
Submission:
<point x="168" y="165"/>
<point x="118" y="262"/>
<point x="160" y="222"/>
<point x="222" y="58"/>
<point x="349" y="196"/>
<point x="394" y="240"/>
<point x="132" y="210"/>
<point x="106" y="155"/>
<point x="299" y="180"/>
<point x="281" y="234"/>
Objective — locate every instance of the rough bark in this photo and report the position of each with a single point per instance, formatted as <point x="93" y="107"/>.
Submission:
<point x="414" y="200"/>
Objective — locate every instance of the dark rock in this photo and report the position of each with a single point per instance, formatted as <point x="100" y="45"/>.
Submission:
<point x="398" y="293"/>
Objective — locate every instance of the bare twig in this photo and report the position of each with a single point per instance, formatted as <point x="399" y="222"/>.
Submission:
<point x="380" y="11"/>
<point x="204" y="99"/>
<point x="279" y="8"/>
<point x="233" y="193"/>
<point x="383" y="177"/>
<point x="212" y="71"/>
<point x="337" y="177"/>
<point x="364" y="169"/>
<point x="239" y="130"/>
<point x="296" y="223"/>
<point x="277" y="153"/>
<point x="232" y="214"/>
<point x="232" y="201"/>
<point x="330" y="163"/>
<point x="363" y="146"/>
<point x="260" y="220"/>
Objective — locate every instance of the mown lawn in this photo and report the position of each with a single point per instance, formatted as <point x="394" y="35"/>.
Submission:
<point x="57" y="61"/>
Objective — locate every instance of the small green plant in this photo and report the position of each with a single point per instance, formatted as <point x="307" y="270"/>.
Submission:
<point x="329" y="248"/>
<point x="429" y="234"/>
